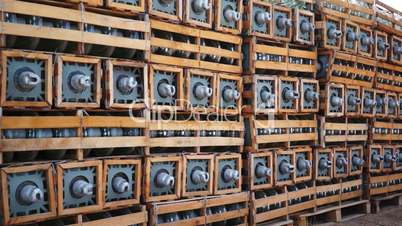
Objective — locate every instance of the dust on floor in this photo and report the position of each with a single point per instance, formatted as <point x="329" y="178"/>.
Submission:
<point x="387" y="217"/>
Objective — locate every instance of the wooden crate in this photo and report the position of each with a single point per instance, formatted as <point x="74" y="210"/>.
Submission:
<point x="176" y="80"/>
<point x="355" y="152"/>
<point x="309" y="103"/>
<point x="45" y="63"/>
<point x="148" y="180"/>
<point x="6" y="174"/>
<point x="177" y="9"/>
<point x="195" y="133"/>
<point x="208" y="190"/>
<point x="97" y="204"/>
<point x="92" y="101"/>
<point x="381" y="45"/>
<point x="131" y="97"/>
<point x="287" y="33"/>
<point x="374" y="167"/>
<point x="262" y="56"/>
<point x="234" y="27"/>
<point x="95" y="3"/>
<point x="342" y="131"/>
<point x="162" y="213"/>
<point x="96" y="142"/>
<point x="190" y="19"/>
<point x="381" y="103"/>
<point x="368" y="101"/>
<point x="398" y="153"/>
<point x="301" y="36"/>
<point x="396" y="131"/>
<point x="225" y="50"/>
<point x="390" y="158"/>
<point x="392" y="105"/>
<point x="395" y="52"/>
<point x="385" y="77"/>
<point x="337" y="8"/>
<point x="350" y="36"/>
<point x="352" y="189"/>
<point x="381" y="130"/>
<point x="233" y="83"/>
<point x="323" y="28"/>
<point x="341" y="162"/>
<point x="261" y="202"/>
<point x="302" y="61"/>
<point x="221" y="167"/>
<point x="88" y="32"/>
<point x="328" y="193"/>
<point x="384" y="17"/>
<point x="207" y="79"/>
<point x="397" y="79"/>
<point x="163" y="45"/>
<point x="284" y="157"/>
<point x="346" y="68"/>
<point x="383" y="185"/>
<point x="139" y="7"/>
<point x="353" y="101"/>
<point x="251" y="26"/>
<point x="254" y="87"/>
<point x="301" y="197"/>
<point x="257" y="161"/>
<point x="307" y="153"/>
<point x="284" y="131"/>
<point x="288" y="84"/>
<point x="136" y="214"/>
<point x="14" y="147"/>
<point x="366" y="35"/>
<point x="323" y="156"/>
<point x="118" y="198"/>
<point x="332" y="92"/>
<point x="362" y="12"/>
<point x="234" y="209"/>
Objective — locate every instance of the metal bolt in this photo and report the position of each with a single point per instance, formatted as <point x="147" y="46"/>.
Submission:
<point x="262" y="17"/>
<point x="262" y="171"/>
<point x="27" y="80"/>
<point x="202" y="91"/>
<point x="81" y="188"/>
<point x="120" y="184"/>
<point x="199" y="176"/>
<point x="163" y="179"/>
<point x="166" y="90"/>
<point x="80" y="82"/>
<point x="30" y="194"/>
<point x="126" y="84"/>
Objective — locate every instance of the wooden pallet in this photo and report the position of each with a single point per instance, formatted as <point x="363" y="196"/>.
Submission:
<point x="61" y="77"/>
<point x="256" y="85"/>
<point x="259" y="159"/>
<point x="45" y="61"/>
<point x="346" y="211"/>
<point x="302" y="61"/>
<point x="195" y="48"/>
<point x="250" y="25"/>
<point x="63" y="210"/>
<point x="346" y="68"/>
<point x="49" y="197"/>
<point x="385" y="131"/>
<point x="209" y="158"/>
<point x="352" y="189"/>
<point x="139" y="93"/>
<point x="84" y="36"/>
<point x="191" y="20"/>
<point x="77" y="143"/>
<point x="147" y="191"/>
<point x="282" y="131"/>
<point x="391" y="200"/>
<point x="385" y="77"/>
<point x="176" y="16"/>
<point x="259" y="212"/>
<point x="328" y="194"/>
<point x="238" y="213"/>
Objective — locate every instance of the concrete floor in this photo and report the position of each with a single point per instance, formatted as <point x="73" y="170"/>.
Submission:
<point x="387" y="217"/>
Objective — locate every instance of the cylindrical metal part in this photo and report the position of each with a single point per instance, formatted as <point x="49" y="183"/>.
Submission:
<point x="262" y="171"/>
<point x="353" y="100"/>
<point x="81" y="188"/>
<point x="369" y="102"/>
<point x="231" y="15"/>
<point x="285" y="167"/>
<point x="30" y="194"/>
<point x="290" y="94"/>
<point x="376" y="158"/>
<point x="230" y="174"/>
<point x="336" y="101"/>
<point x="199" y="176"/>
<point x="120" y="184"/>
<point x="166" y="90"/>
<point x="303" y="164"/>
<point x="310" y="95"/>
<point x="351" y="36"/>
<point x="341" y="161"/>
<point x="306" y="27"/>
<point x="357" y="161"/>
<point x="230" y="94"/>
<point x="126" y="84"/>
<point x="27" y="80"/>
<point x="163" y="179"/>
<point x="262" y="17"/>
<point x="283" y="22"/>
<point x="389" y="157"/>
<point x="80" y="82"/>
<point x="202" y="91"/>
<point x="324" y="164"/>
<point x="334" y="33"/>
<point x="200" y="6"/>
